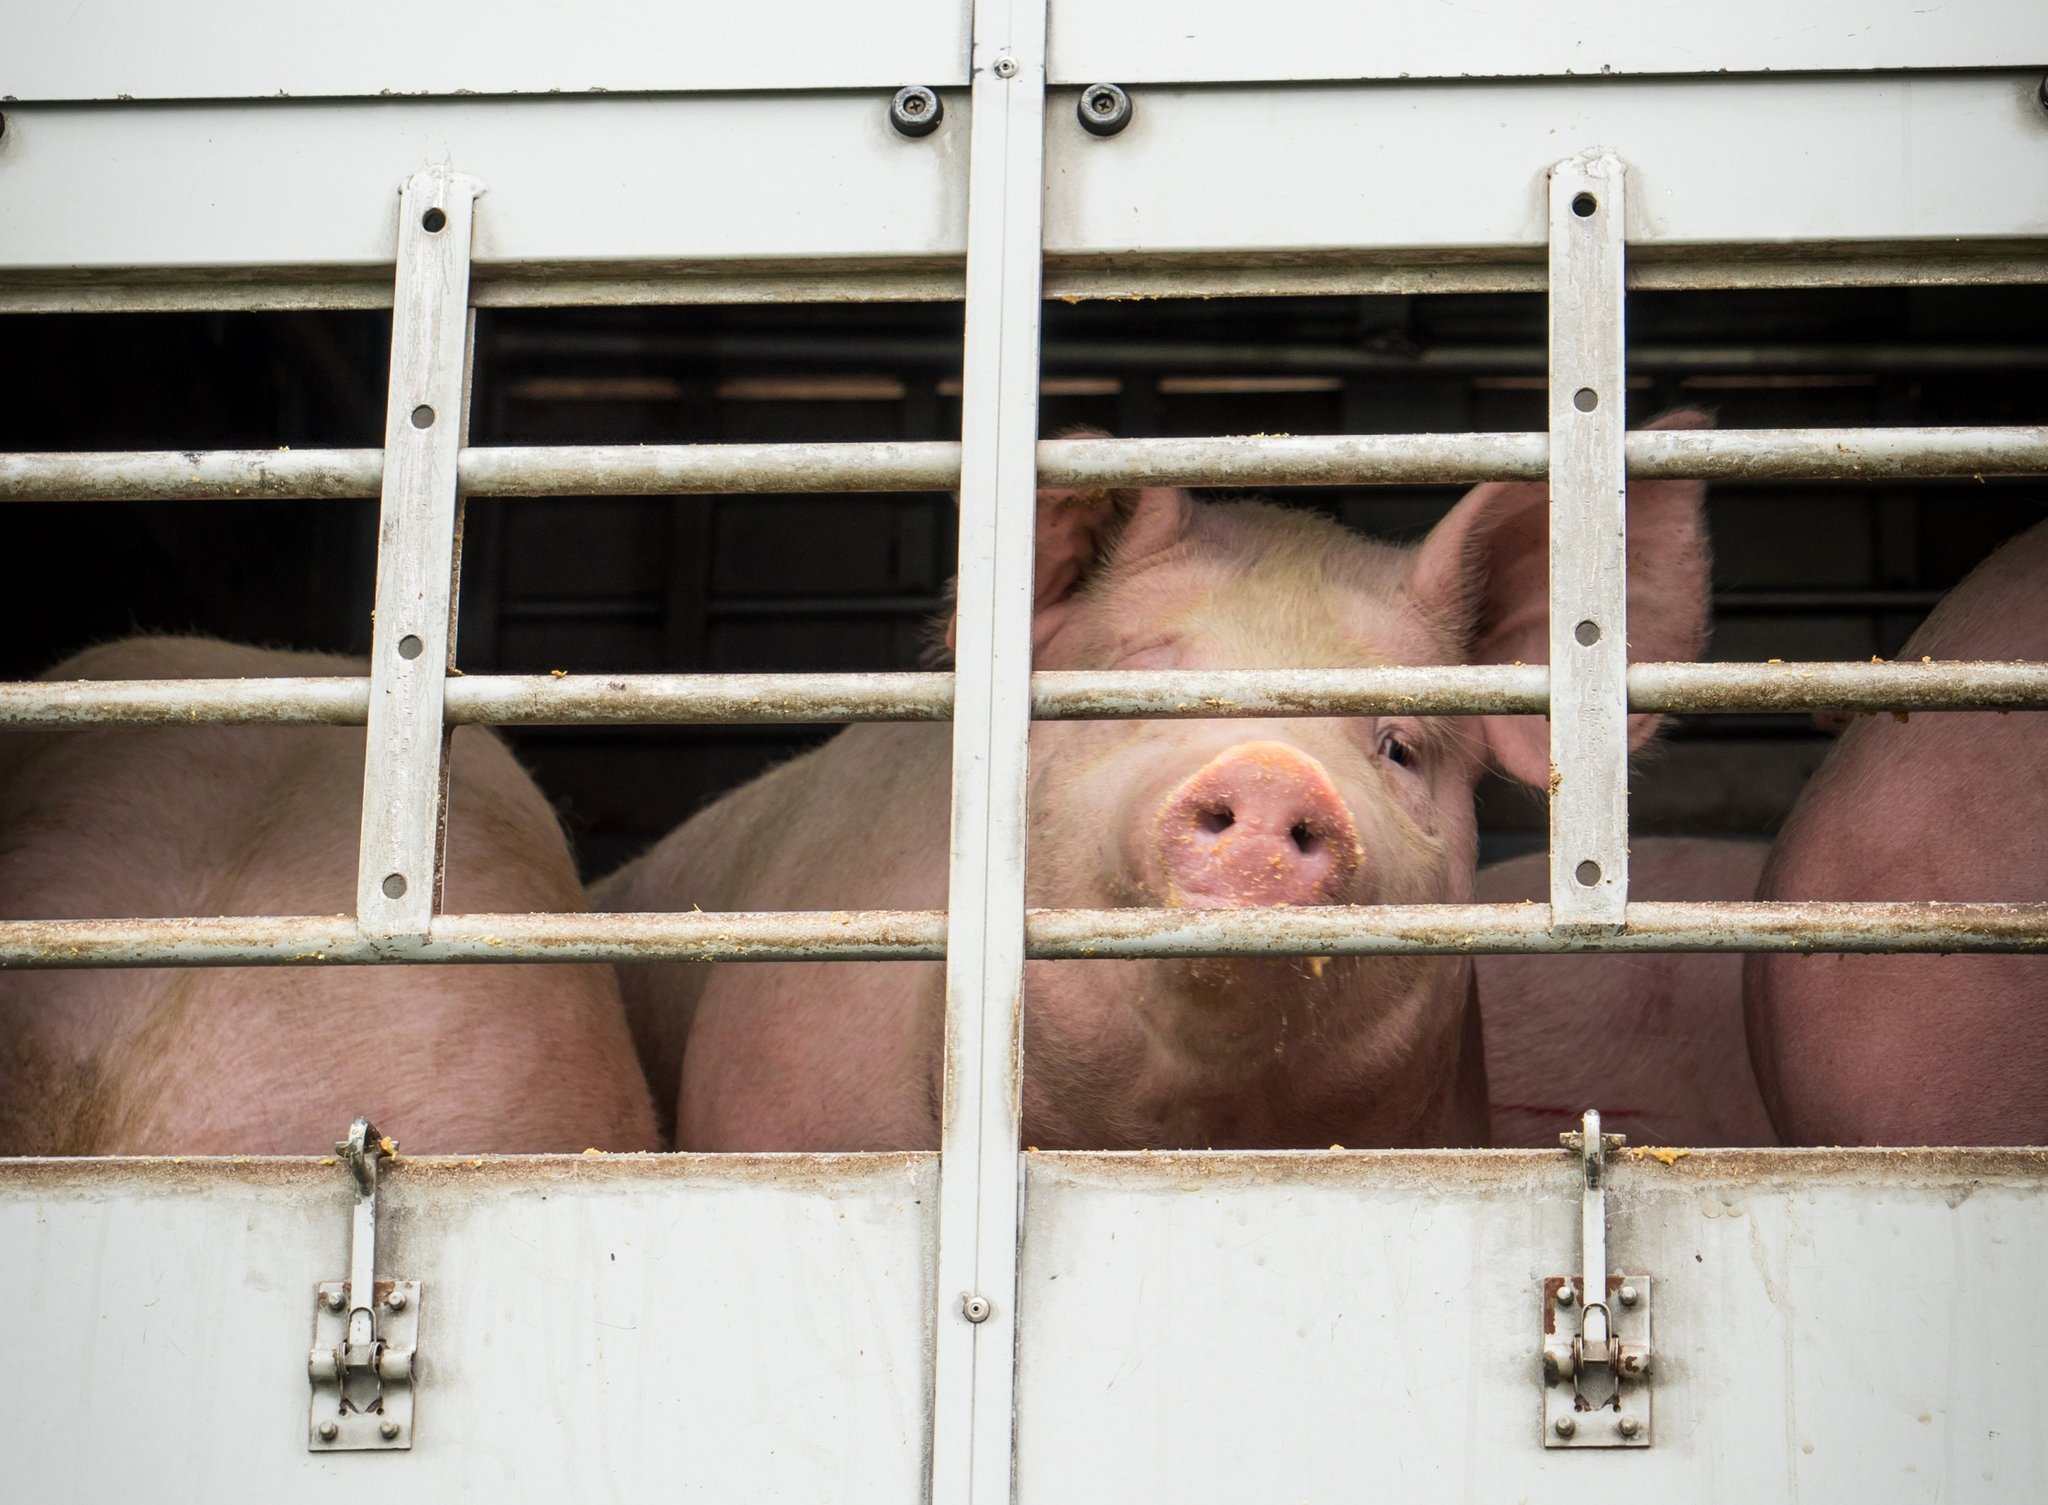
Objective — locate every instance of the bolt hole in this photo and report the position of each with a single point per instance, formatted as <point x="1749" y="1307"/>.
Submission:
<point x="394" y="886"/>
<point x="410" y="647"/>
<point x="434" y="221"/>
<point x="422" y="417"/>
<point x="1587" y="633"/>
<point x="1585" y="399"/>
<point x="1583" y="205"/>
<point x="1588" y="873"/>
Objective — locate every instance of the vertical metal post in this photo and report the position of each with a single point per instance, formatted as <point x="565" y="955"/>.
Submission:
<point x="980" y="1192"/>
<point x="1588" y="547"/>
<point x="405" y="771"/>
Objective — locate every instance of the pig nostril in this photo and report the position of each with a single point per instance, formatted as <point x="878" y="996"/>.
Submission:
<point x="1215" y="821"/>
<point x="1305" y="840"/>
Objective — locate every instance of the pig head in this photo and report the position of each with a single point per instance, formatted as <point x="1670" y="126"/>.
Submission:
<point x="1312" y="811"/>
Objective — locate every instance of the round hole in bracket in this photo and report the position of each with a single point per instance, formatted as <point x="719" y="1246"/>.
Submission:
<point x="1583" y="205"/>
<point x="410" y="646"/>
<point x="1587" y="872"/>
<point x="422" y="417"/>
<point x="1585" y="400"/>
<point x="434" y="221"/>
<point x="394" y="886"/>
<point x="1588" y="633"/>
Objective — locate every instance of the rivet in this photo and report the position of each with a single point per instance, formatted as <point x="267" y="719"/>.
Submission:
<point x="333" y="1300"/>
<point x="329" y="1431"/>
<point x="1629" y="1426"/>
<point x="387" y="1429"/>
<point x="1566" y="1295"/>
<point x="1628" y="1295"/>
<point x="1006" y="66"/>
<point x="1564" y="1426"/>
<point x="975" y="1308"/>
<point x="396" y="1301"/>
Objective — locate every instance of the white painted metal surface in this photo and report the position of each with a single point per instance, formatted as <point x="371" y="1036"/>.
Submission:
<point x="246" y="49"/>
<point x="412" y="645"/>
<point x="1588" y="552"/>
<point x="1830" y="1326"/>
<point x="1207" y="41"/>
<point x="675" y="1327"/>
<point x="980" y="1205"/>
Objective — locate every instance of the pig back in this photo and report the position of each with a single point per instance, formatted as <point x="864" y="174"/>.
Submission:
<point x="104" y="822"/>
<point x="1869" y="1049"/>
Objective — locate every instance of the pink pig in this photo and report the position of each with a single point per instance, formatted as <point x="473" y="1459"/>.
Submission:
<point x="116" y="822"/>
<point x="1867" y="1049"/>
<point x="1161" y="1053"/>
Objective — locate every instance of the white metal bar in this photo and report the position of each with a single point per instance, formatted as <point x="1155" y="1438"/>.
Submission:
<point x="1051" y="934"/>
<point x="1056" y="695"/>
<point x="980" y="1179"/>
<point x="412" y="644"/>
<point x="1588" y="550"/>
<point x="1861" y="454"/>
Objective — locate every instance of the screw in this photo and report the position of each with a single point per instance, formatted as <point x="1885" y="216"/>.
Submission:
<point x="1566" y="1295"/>
<point x="1104" y="109"/>
<point x="1628" y="1295"/>
<point x="1564" y="1426"/>
<point x="916" y="111"/>
<point x="329" y="1431"/>
<point x="975" y="1308"/>
<point x="387" y="1429"/>
<point x="1629" y="1426"/>
<point x="332" y="1300"/>
<point x="1006" y="66"/>
<point x="396" y="1301"/>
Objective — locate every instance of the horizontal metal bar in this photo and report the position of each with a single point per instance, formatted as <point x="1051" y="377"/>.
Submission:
<point x="1051" y="934"/>
<point x="708" y="469"/>
<point x="1058" y="695"/>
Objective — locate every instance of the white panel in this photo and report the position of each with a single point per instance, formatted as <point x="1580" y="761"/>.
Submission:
<point x="1192" y="41"/>
<point x="601" y="181"/>
<point x="1460" y="168"/>
<point x="236" y="49"/>
<point x="669" y="1328"/>
<point x="1829" y="1326"/>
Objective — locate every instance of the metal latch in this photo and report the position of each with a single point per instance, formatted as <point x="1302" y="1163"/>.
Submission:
<point x="365" y="1330"/>
<point x="1596" y="1326"/>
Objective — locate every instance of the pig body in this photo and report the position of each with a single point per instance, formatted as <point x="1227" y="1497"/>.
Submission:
<point x="1866" y="1049"/>
<point x="1154" y="1053"/>
<point x="1655" y="1042"/>
<point x="113" y="822"/>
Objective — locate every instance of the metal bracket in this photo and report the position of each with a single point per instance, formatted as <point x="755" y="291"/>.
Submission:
<point x="1596" y="1380"/>
<point x="365" y="1330"/>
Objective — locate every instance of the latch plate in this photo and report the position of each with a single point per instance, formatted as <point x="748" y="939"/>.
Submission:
<point x="1620" y="1418"/>
<point x="369" y="1410"/>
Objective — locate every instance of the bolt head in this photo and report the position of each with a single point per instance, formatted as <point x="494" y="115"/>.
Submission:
<point x="1629" y="1295"/>
<point x="387" y="1429"/>
<point x="396" y="1301"/>
<point x="329" y="1431"/>
<point x="1564" y="1426"/>
<point x="332" y="1300"/>
<point x="1006" y="66"/>
<point x="1629" y="1426"/>
<point x="1567" y="1294"/>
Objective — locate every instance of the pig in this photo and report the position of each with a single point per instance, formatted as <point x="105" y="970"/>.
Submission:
<point x="1867" y="1049"/>
<point x="1655" y="1042"/>
<point x="111" y="821"/>
<point x="1252" y="1053"/>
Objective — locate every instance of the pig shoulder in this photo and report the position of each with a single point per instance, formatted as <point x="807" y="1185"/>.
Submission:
<point x="1654" y="1041"/>
<point x="224" y="820"/>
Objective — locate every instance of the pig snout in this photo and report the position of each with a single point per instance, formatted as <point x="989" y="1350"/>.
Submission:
<point x="1261" y="824"/>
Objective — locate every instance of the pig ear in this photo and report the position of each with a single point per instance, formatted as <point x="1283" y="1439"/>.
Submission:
<point x="1080" y="527"/>
<point x="1485" y="570"/>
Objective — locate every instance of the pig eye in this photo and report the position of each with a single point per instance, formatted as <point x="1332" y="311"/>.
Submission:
<point x="1396" y="750"/>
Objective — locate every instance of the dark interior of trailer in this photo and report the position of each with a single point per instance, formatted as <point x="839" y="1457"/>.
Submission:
<point x="1828" y="570"/>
